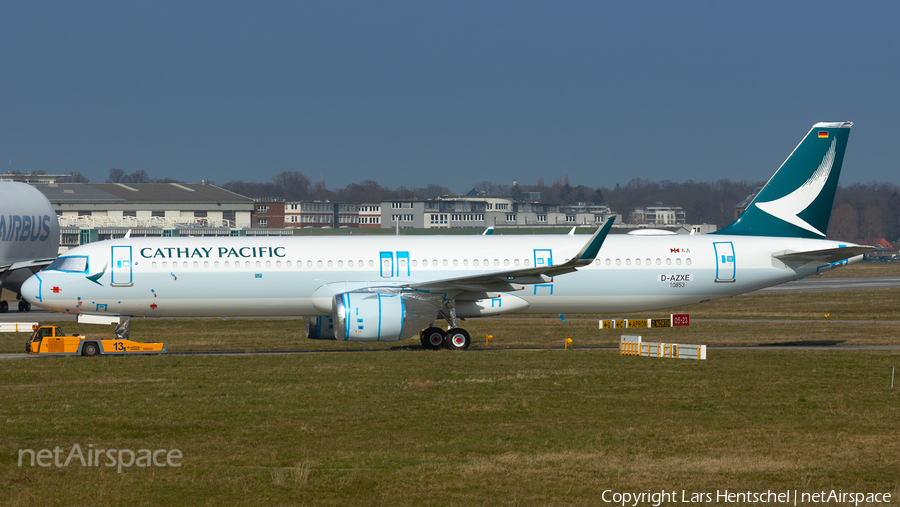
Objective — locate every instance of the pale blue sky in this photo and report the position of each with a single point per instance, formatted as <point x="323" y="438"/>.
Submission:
<point x="454" y="93"/>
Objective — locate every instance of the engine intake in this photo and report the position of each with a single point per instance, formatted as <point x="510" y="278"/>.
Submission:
<point x="382" y="315"/>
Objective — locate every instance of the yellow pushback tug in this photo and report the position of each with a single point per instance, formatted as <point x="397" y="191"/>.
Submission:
<point x="51" y="341"/>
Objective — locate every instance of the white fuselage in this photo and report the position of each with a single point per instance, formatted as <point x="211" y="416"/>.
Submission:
<point x="298" y="276"/>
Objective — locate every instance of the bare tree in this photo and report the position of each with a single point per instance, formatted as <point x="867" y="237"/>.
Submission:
<point x="366" y="191"/>
<point x="844" y="223"/>
<point x="294" y="185"/>
<point x="139" y="176"/>
<point x="74" y="177"/>
<point x="117" y="176"/>
<point x="870" y="223"/>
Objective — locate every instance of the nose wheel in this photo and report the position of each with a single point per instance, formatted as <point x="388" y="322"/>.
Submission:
<point x="24" y="306"/>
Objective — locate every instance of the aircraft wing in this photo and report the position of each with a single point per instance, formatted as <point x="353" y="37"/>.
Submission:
<point x="502" y="281"/>
<point x="34" y="265"/>
<point x="829" y="255"/>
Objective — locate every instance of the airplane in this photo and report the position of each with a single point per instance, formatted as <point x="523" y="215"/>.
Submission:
<point x="29" y="237"/>
<point x="380" y="288"/>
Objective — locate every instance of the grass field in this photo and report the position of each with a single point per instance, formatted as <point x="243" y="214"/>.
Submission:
<point x="391" y="424"/>
<point x="805" y="310"/>
<point x="862" y="269"/>
<point x="410" y="427"/>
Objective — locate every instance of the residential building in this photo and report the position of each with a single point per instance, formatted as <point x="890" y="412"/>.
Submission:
<point x="658" y="215"/>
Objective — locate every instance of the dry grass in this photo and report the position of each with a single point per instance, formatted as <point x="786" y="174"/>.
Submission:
<point x="865" y="269"/>
<point x="390" y="424"/>
<point x="878" y="304"/>
<point x="441" y="428"/>
<point x="551" y="334"/>
<point x="806" y="311"/>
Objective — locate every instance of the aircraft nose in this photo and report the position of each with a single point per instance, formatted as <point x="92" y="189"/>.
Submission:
<point x="31" y="290"/>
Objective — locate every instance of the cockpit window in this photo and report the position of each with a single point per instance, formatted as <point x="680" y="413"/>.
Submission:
<point x="76" y="264"/>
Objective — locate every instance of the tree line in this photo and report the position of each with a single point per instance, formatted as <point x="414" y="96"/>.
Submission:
<point x="862" y="211"/>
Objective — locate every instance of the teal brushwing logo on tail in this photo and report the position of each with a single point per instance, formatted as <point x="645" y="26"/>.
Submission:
<point x="797" y="200"/>
<point x="789" y="207"/>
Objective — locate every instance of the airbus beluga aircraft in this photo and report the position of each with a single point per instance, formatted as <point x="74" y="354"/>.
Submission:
<point x="391" y="288"/>
<point x="29" y="236"/>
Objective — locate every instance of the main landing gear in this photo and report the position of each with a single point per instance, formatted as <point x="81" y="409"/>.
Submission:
<point x="455" y="338"/>
<point x="432" y="338"/>
<point x="24" y="306"/>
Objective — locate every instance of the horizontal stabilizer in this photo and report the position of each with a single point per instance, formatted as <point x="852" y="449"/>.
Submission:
<point x="829" y="255"/>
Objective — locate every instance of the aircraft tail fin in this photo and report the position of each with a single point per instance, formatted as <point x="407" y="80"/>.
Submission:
<point x="797" y="200"/>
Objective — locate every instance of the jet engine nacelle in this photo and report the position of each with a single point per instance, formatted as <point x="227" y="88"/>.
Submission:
<point x="320" y="328"/>
<point x="368" y="316"/>
<point x="382" y="314"/>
